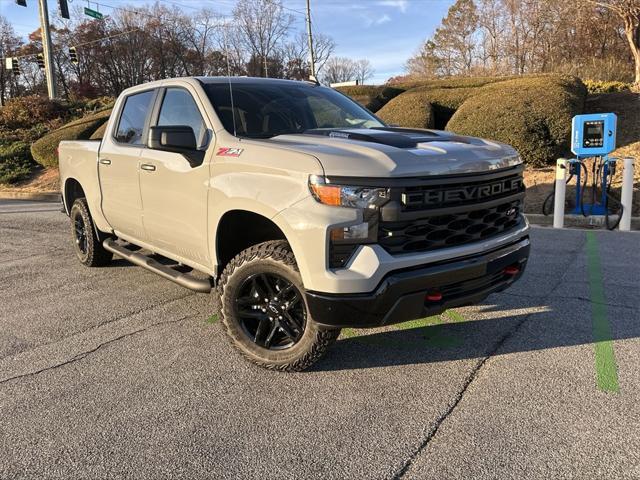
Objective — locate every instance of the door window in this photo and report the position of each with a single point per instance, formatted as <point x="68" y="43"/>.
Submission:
<point x="133" y="118"/>
<point x="179" y="108"/>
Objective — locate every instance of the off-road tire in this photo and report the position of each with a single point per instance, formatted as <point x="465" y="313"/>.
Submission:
<point x="270" y="257"/>
<point x="93" y="253"/>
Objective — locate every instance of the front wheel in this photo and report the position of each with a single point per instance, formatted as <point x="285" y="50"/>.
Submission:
<point x="264" y="309"/>
<point x="88" y="248"/>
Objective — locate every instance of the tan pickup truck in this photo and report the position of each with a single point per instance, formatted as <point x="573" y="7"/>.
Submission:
<point x="300" y="210"/>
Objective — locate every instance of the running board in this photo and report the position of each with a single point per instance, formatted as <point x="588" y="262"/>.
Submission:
<point x="183" y="279"/>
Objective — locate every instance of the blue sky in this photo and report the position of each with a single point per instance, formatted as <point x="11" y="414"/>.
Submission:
<point x="387" y="32"/>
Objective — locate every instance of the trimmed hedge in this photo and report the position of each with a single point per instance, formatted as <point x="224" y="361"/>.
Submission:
<point x="454" y="82"/>
<point x="15" y="161"/>
<point x="99" y="133"/>
<point x="445" y="102"/>
<point x="44" y="150"/>
<point x="533" y="114"/>
<point x="411" y="109"/>
<point x="596" y="86"/>
<point x="371" y="97"/>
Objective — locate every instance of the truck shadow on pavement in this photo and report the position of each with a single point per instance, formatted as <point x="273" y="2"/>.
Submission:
<point x="498" y="329"/>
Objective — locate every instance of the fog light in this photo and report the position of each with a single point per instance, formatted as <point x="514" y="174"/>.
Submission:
<point x="353" y="232"/>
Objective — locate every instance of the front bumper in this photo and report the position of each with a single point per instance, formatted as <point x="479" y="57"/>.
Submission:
<point x="401" y="295"/>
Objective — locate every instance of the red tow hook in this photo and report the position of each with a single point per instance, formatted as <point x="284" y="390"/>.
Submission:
<point x="511" y="270"/>
<point x="433" y="296"/>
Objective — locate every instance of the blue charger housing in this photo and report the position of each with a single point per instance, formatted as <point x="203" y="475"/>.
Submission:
<point x="593" y="135"/>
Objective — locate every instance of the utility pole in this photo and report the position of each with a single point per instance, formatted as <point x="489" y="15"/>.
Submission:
<point x="312" y="57"/>
<point x="46" y="47"/>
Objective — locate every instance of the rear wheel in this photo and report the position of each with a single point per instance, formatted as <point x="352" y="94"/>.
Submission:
<point x="264" y="309"/>
<point x="88" y="248"/>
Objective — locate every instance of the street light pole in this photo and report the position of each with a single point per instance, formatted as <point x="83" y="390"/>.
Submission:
<point x="312" y="58"/>
<point x="46" y="47"/>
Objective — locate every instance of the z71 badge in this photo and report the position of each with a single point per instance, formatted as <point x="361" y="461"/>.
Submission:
<point x="229" y="152"/>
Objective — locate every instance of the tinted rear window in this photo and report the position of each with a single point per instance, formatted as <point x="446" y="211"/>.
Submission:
<point x="133" y="118"/>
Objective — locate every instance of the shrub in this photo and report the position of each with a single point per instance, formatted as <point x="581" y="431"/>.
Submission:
<point x="26" y="112"/>
<point x="99" y="133"/>
<point x="371" y="97"/>
<point x="533" y="114"/>
<point x="411" y="109"/>
<point x="454" y="82"/>
<point x="597" y="86"/>
<point x="445" y="102"/>
<point x="15" y="161"/>
<point x="44" y="150"/>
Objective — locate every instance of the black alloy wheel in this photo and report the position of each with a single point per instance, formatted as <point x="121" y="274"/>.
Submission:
<point x="80" y="229"/>
<point x="87" y="245"/>
<point x="263" y="308"/>
<point x="271" y="311"/>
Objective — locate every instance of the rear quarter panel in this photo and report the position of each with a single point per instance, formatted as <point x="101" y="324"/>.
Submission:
<point x="78" y="160"/>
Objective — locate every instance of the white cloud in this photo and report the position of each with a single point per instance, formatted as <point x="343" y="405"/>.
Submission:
<point x="371" y="19"/>
<point x="383" y="19"/>
<point x="399" y="4"/>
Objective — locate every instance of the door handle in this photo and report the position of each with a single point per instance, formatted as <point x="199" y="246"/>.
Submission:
<point x="105" y="161"/>
<point x="148" y="167"/>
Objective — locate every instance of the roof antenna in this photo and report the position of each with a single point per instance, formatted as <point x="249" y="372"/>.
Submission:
<point x="233" y="110"/>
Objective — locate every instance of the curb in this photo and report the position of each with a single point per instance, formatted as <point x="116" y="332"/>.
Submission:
<point x="576" y="221"/>
<point x="53" y="197"/>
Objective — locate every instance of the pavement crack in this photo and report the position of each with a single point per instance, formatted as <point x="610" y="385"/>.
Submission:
<point x="102" y="324"/>
<point x="86" y="353"/>
<point x="431" y="433"/>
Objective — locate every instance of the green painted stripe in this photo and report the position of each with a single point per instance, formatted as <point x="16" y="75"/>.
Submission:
<point x="455" y="316"/>
<point x="348" y="333"/>
<point x="422" y="322"/>
<point x="606" y="367"/>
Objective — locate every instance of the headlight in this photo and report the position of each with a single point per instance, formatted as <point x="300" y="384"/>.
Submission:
<point x="347" y="196"/>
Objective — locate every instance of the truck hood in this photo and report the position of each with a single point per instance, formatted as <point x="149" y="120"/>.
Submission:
<point x="398" y="152"/>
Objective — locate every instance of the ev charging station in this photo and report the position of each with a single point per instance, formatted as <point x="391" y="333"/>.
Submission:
<point x="594" y="136"/>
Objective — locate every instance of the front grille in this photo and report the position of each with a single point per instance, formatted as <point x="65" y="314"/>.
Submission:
<point x="465" y="192"/>
<point x="432" y="232"/>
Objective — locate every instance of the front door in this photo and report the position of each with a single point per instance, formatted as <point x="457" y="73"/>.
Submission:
<point x="118" y="165"/>
<point x="174" y="191"/>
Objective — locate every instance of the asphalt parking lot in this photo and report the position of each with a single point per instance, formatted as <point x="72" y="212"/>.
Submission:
<point x="117" y="373"/>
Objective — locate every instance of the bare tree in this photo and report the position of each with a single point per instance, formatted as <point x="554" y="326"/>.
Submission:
<point x="629" y="12"/>
<point x="295" y="54"/>
<point x="263" y="25"/>
<point x="340" y="69"/>
<point x="589" y="38"/>
<point x="9" y="44"/>
<point x="364" y="70"/>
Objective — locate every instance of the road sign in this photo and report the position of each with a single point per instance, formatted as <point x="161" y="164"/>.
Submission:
<point x="92" y="13"/>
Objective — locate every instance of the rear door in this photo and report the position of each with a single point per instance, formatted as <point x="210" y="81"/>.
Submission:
<point x="174" y="192"/>
<point x="119" y="164"/>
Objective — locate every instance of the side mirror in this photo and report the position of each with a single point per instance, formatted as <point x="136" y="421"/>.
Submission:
<point x="172" y="138"/>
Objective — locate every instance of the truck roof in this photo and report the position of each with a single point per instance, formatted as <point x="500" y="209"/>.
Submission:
<point x="252" y="80"/>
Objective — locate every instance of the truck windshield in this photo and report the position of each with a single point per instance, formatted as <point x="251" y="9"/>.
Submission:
<point x="263" y="110"/>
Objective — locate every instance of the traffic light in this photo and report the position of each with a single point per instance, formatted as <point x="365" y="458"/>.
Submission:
<point x="11" y="63"/>
<point x="22" y="3"/>
<point x="63" y="6"/>
<point x="40" y="61"/>
<point x="73" y="55"/>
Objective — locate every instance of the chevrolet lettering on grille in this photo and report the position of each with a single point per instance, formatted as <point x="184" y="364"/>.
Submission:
<point x="442" y="197"/>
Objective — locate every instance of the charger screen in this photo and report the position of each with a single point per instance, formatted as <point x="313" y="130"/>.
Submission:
<point x="593" y="134"/>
